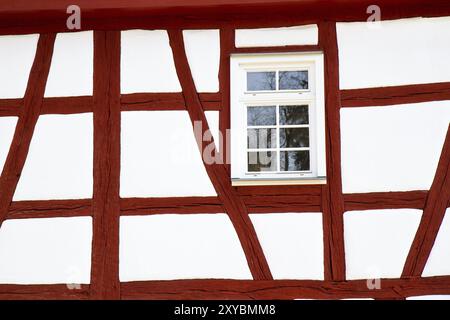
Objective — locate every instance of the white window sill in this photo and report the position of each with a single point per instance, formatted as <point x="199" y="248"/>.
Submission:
<point x="277" y="182"/>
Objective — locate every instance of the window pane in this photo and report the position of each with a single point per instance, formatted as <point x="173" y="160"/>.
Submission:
<point x="294" y="115"/>
<point x="261" y="138"/>
<point x="293" y="80"/>
<point x="262" y="161"/>
<point x="261" y="116"/>
<point x="294" y="137"/>
<point x="294" y="161"/>
<point x="257" y="81"/>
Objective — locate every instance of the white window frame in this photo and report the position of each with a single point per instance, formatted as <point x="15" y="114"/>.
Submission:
<point x="241" y="98"/>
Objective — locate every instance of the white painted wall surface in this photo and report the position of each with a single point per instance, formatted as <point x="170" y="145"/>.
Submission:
<point x="160" y="157"/>
<point x="393" y="148"/>
<point x="59" y="162"/>
<point x="163" y="247"/>
<point x="272" y="37"/>
<point x="377" y="242"/>
<point x="438" y="263"/>
<point x="7" y="128"/>
<point x="71" y="71"/>
<point x="292" y="244"/>
<point x="41" y="251"/>
<point x="203" y="53"/>
<point x="16" y="58"/>
<point x="400" y="52"/>
<point x="147" y="62"/>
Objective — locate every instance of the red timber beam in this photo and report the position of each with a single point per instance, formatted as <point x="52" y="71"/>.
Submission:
<point x="332" y="198"/>
<point x="44" y="292"/>
<point x="386" y="96"/>
<point x="385" y="200"/>
<point x="234" y="206"/>
<point x="42" y="16"/>
<point x="283" y="289"/>
<point x="32" y="104"/>
<point x="227" y="43"/>
<point x="433" y="214"/>
<point x="105" y="204"/>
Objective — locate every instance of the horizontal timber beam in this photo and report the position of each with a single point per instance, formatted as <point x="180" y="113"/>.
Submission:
<point x="43" y="16"/>
<point x="386" y="96"/>
<point x="44" y="292"/>
<point x="50" y="209"/>
<point x="239" y="289"/>
<point x="278" y="49"/>
<point x="284" y="199"/>
<point x="129" y="102"/>
<point x="385" y="200"/>
<point x="282" y="289"/>
<point x="188" y="205"/>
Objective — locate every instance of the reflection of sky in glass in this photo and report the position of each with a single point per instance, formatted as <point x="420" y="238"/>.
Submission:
<point x="258" y="81"/>
<point x="261" y="116"/>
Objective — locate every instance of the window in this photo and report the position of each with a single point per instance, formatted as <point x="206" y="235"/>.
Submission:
<point x="278" y="119"/>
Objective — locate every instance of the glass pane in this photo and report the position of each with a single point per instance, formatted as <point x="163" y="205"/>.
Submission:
<point x="293" y="80"/>
<point x="261" y="138"/>
<point x="261" y="116"/>
<point x="294" y="161"/>
<point x="262" y="161"/>
<point x="294" y="115"/>
<point x="294" y="137"/>
<point x="258" y="81"/>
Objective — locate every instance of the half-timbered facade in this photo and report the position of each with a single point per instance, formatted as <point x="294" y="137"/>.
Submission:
<point x="126" y="148"/>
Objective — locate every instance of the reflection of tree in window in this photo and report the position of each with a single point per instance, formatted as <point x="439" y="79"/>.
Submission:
<point x="259" y="81"/>
<point x="290" y="115"/>
<point x="294" y="161"/>
<point x="261" y="116"/>
<point x="293" y="80"/>
<point x="294" y="137"/>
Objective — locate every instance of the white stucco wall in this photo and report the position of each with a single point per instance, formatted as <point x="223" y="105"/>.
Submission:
<point x="164" y="247"/>
<point x="41" y="251"/>
<point x="392" y="148"/>
<point x="400" y="52"/>
<point x="59" y="162"/>
<point x="16" y="58"/>
<point x="71" y="71"/>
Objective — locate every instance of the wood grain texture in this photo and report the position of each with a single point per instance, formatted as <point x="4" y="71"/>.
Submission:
<point x="282" y="289"/>
<point x="44" y="292"/>
<point x="67" y="105"/>
<point x="166" y="101"/>
<point x="50" y="209"/>
<point x="10" y="107"/>
<point x="46" y="16"/>
<point x="173" y="205"/>
<point x="395" y="95"/>
<point x="26" y="123"/>
<point x="234" y="206"/>
<point x="226" y="45"/>
<point x="105" y="204"/>
<point x="385" y="200"/>
<point x="278" y="49"/>
<point x="333" y="212"/>
<point x="433" y="214"/>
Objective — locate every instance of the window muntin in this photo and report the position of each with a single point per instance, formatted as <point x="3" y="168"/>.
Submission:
<point x="277" y="108"/>
<point x="278" y="138"/>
